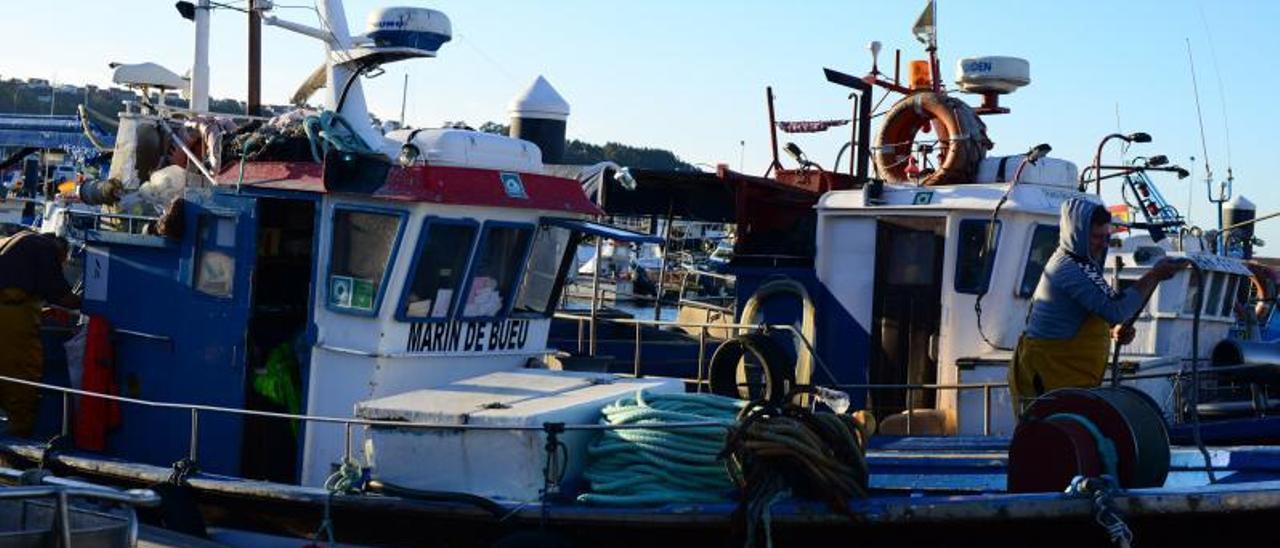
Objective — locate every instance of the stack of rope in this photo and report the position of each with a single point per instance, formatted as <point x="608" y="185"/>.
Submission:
<point x="779" y="450"/>
<point x="652" y="466"/>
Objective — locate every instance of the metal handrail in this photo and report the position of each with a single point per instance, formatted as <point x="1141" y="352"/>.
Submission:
<point x="62" y="489"/>
<point x="348" y="421"/>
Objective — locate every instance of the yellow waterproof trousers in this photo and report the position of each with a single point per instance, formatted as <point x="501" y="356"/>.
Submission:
<point x="21" y="356"/>
<point x="1041" y="365"/>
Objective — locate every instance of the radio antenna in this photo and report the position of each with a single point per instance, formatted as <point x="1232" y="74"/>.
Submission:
<point x="1195" y="88"/>
<point x="1222" y="94"/>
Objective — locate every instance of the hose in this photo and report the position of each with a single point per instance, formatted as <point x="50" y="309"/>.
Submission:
<point x="808" y="322"/>
<point x="493" y="508"/>
<point x="637" y="467"/>
<point x="1195" y="374"/>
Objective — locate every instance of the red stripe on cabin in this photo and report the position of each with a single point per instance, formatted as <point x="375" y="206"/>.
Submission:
<point x="436" y="184"/>
<point x="483" y="187"/>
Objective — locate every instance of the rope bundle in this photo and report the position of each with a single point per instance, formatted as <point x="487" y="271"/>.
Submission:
<point x="659" y="466"/>
<point x="781" y="450"/>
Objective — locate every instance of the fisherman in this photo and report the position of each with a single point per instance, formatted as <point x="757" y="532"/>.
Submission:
<point x="30" y="274"/>
<point x="1074" y="309"/>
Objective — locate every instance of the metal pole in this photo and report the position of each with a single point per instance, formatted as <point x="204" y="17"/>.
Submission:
<point x="404" y="98"/>
<point x="254" y="105"/>
<point x="986" y="410"/>
<point x="910" y="409"/>
<point x="66" y="414"/>
<point x="595" y="297"/>
<point x="702" y="353"/>
<point x="64" y="519"/>
<point x="662" y="269"/>
<point x="195" y="434"/>
<point x="636" y="363"/>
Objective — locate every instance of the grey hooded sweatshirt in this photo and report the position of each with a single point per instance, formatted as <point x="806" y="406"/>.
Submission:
<point x="1073" y="286"/>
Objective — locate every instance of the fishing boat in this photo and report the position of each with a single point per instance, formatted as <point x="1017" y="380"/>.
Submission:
<point x="342" y="335"/>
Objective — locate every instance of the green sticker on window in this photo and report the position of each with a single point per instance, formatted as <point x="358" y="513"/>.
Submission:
<point x="362" y="295"/>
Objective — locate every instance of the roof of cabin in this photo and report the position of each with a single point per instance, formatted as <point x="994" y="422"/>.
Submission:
<point x="1024" y="197"/>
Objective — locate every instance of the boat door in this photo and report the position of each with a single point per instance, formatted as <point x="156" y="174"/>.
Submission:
<point x="906" y="309"/>
<point x="180" y="310"/>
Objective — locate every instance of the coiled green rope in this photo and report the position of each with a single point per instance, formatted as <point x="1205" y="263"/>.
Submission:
<point x="637" y="467"/>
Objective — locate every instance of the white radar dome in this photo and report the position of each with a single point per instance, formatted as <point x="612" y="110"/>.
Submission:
<point x="408" y="27"/>
<point x="992" y="74"/>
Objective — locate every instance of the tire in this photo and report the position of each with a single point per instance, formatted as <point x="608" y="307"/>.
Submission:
<point x="778" y="367"/>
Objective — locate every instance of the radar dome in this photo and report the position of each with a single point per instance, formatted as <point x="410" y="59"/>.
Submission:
<point x="992" y="74"/>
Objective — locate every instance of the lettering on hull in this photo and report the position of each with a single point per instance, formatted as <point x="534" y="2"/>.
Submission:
<point x="455" y="336"/>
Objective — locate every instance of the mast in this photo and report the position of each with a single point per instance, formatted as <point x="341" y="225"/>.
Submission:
<point x="200" y="68"/>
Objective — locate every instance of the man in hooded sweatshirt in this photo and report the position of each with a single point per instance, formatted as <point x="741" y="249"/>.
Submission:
<point x="1075" y="313"/>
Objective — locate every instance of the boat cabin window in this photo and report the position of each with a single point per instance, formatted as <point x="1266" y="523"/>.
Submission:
<point x="439" y="268"/>
<point x="1193" y="281"/>
<point x="1211" y="302"/>
<point x="973" y="262"/>
<point x="498" y="263"/>
<point x="1231" y="295"/>
<point x="215" y="269"/>
<point x="363" y="244"/>
<point x="1044" y="240"/>
<point x="549" y="257"/>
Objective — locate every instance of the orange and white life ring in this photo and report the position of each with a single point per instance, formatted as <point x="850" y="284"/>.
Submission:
<point x="962" y="139"/>
<point x="1263" y="282"/>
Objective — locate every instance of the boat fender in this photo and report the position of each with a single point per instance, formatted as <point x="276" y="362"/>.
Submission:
<point x="962" y="139"/>
<point x="779" y="371"/>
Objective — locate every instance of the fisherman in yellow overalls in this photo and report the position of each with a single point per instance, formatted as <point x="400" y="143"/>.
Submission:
<point x="30" y="274"/>
<point x="1075" y="313"/>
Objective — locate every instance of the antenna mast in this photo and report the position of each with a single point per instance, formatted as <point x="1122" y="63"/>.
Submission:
<point x="1214" y="198"/>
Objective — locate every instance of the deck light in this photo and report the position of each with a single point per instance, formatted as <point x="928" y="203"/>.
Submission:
<point x="796" y="154"/>
<point x="1137" y="137"/>
<point x="187" y="10"/>
<point x="1182" y="173"/>
<point x="1157" y="160"/>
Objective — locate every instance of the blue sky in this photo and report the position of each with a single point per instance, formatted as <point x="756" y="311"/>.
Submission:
<point x="690" y="76"/>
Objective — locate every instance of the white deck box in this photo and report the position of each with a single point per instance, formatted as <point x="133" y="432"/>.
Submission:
<point x="502" y="464"/>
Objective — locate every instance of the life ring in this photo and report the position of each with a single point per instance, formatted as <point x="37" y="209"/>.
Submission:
<point x="777" y="369"/>
<point x="962" y="139"/>
<point x="1263" y="281"/>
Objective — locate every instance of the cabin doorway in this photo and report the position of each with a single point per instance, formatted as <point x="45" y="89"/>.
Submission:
<point x="906" y="310"/>
<point x="278" y="327"/>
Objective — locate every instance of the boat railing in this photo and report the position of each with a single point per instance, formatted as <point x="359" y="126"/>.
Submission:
<point x="116" y="222"/>
<point x="62" y="490"/>
<point x="349" y="423"/>
<point x="700" y="382"/>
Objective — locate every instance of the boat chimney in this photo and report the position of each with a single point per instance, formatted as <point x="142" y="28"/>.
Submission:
<point x="1240" y="210"/>
<point x="539" y="115"/>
